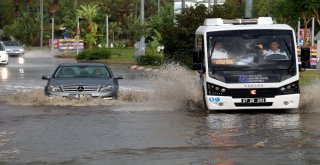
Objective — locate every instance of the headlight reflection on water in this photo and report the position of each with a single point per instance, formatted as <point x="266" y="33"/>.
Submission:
<point x="21" y="71"/>
<point x="21" y="60"/>
<point x="4" y="74"/>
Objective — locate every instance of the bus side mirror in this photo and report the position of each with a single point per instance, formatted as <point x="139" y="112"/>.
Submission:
<point x="197" y="56"/>
<point x="197" y="66"/>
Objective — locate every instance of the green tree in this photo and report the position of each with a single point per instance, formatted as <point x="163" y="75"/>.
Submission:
<point x="260" y="8"/>
<point x="25" y="29"/>
<point x="289" y="11"/>
<point x="89" y="12"/>
<point x="134" y="29"/>
<point x="115" y="29"/>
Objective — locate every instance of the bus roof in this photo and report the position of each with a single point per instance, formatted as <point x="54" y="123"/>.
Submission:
<point x="218" y="24"/>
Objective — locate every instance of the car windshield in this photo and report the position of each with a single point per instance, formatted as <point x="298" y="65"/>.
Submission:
<point x="250" y="50"/>
<point x="82" y="72"/>
<point x="11" y="43"/>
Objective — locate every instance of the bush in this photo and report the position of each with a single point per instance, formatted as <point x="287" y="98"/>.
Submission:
<point x="150" y="60"/>
<point x="94" y="54"/>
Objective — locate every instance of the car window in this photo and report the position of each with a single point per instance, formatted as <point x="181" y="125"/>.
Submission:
<point x="82" y="71"/>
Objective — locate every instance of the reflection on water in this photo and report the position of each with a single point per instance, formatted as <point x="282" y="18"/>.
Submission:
<point x="290" y="121"/>
<point x="21" y="72"/>
<point x="4" y="73"/>
<point x="20" y="60"/>
<point x="232" y="130"/>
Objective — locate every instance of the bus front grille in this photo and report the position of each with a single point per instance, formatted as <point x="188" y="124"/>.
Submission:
<point x="246" y="93"/>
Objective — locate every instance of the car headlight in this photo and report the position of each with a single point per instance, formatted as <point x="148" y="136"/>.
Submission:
<point x="54" y="89"/>
<point x="8" y="49"/>
<point x="21" y="50"/>
<point x="105" y="88"/>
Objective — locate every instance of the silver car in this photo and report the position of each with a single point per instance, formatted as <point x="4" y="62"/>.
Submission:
<point x="76" y="80"/>
<point x="13" y="48"/>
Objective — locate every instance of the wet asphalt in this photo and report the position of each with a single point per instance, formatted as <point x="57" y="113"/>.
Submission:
<point x="138" y="132"/>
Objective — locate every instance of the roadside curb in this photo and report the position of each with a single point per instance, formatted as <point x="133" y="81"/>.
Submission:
<point x="142" y="68"/>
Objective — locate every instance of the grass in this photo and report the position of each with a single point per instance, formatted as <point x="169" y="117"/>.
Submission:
<point x="121" y="55"/>
<point x="309" y="76"/>
<point x="118" y="55"/>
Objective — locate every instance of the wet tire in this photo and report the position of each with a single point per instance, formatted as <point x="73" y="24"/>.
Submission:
<point x="115" y="97"/>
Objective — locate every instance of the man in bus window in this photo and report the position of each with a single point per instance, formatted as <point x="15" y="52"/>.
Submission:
<point x="274" y="51"/>
<point x="218" y="52"/>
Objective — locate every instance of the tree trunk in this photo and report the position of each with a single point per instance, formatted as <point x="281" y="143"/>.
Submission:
<point x="306" y="20"/>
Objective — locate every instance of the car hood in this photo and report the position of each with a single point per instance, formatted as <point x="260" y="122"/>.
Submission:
<point x="80" y="81"/>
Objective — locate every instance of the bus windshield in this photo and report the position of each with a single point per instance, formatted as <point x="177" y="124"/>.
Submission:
<point x="250" y="50"/>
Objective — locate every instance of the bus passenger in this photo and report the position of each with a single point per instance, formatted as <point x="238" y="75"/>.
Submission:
<point x="218" y="52"/>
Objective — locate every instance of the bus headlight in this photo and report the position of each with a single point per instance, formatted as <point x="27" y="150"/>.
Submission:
<point x="213" y="89"/>
<point x="290" y="88"/>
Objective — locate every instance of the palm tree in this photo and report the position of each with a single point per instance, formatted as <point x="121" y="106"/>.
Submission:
<point x="89" y="12"/>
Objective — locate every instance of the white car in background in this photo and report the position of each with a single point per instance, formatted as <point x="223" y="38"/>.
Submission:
<point x="3" y="55"/>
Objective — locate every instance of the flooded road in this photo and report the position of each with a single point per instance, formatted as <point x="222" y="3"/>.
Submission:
<point x="155" y="121"/>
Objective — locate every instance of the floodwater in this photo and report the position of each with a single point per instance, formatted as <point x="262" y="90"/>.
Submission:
<point x="157" y="120"/>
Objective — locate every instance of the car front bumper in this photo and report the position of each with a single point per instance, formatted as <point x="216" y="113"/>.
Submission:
<point x="15" y="53"/>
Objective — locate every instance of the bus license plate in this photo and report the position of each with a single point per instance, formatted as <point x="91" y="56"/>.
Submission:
<point x="253" y="100"/>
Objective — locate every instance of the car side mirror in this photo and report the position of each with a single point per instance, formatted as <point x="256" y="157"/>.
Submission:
<point x="45" y="77"/>
<point x="119" y="77"/>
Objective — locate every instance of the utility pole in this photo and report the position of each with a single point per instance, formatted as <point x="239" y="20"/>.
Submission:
<point x="78" y="33"/>
<point x="52" y="33"/>
<point x="312" y="32"/>
<point x="107" y="31"/>
<point x="248" y="9"/>
<point x="41" y="26"/>
<point x="142" y="41"/>
<point x="209" y="7"/>
<point x="183" y="4"/>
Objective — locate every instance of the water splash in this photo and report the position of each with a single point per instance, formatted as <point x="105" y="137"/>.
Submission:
<point x="310" y="98"/>
<point x="36" y="53"/>
<point x="175" y="87"/>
